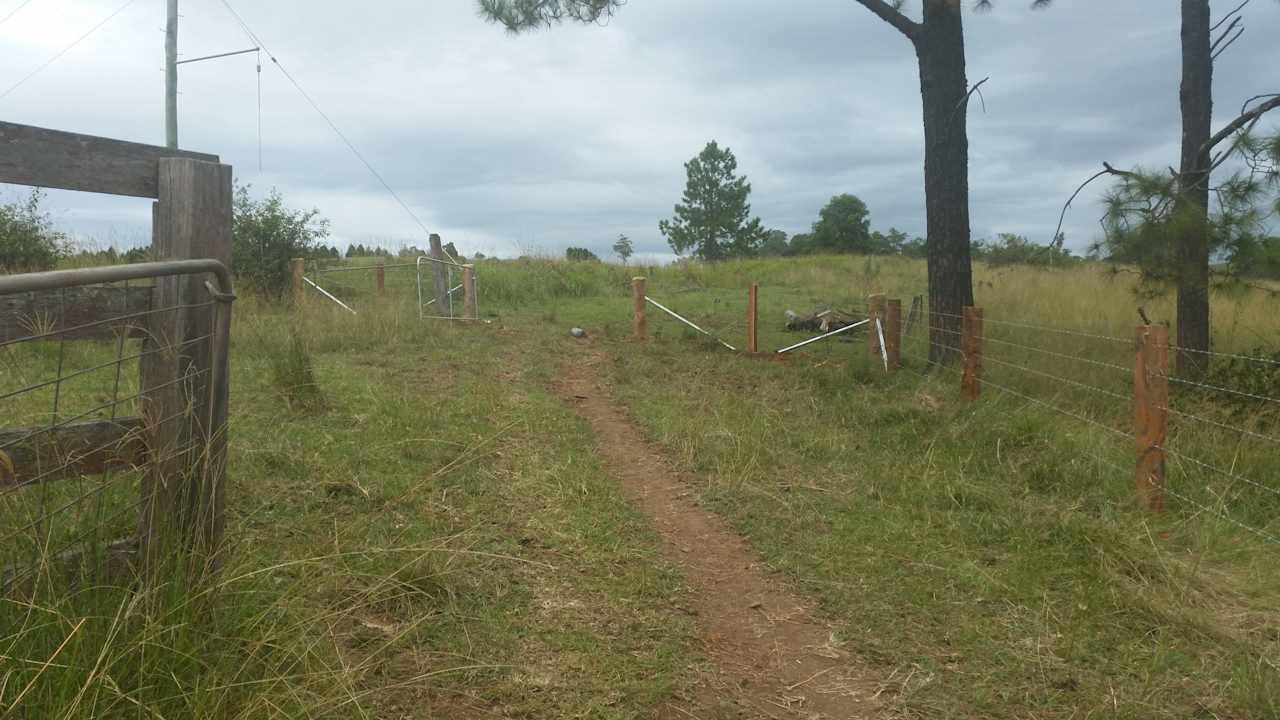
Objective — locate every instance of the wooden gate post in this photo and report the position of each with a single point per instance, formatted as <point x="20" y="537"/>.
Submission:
<point x="297" y="271"/>
<point x="753" y="318"/>
<point x="917" y="305"/>
<point x="380" y="279"/>
<point x="875" y="312"/>
<point x="1151" y="414"/>
<point x="971" y="346"/>
<point x="440" y="274"/>
<point x="184" y="406"/>
<point x="639" y="327"/>
<point x="469" y="292"/>
<point x="893" y="333"/>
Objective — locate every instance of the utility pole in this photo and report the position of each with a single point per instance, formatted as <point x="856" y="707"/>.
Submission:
<point x="171" y="76"/>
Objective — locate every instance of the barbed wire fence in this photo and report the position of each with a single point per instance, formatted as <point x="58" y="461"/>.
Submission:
<point x="1182" y="440"/>
<point x="1200" y="447"/>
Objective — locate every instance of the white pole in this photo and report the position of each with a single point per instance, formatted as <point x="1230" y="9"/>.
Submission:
<point x="450" y="292"/>
<point x="846" y="328"/>
<point x="673" y="314"/>
<point x="883" y="353"/>
<point x="171" y="76"/>
<point x="324" y="292"/>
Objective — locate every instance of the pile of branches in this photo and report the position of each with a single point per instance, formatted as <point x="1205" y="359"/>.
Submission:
<point x="824" y="319"/>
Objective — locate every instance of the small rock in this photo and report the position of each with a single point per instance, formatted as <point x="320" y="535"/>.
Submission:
<point x="578" y="332"/>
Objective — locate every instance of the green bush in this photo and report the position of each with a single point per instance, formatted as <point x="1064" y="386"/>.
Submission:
<point x="28" y="242"/>
<point x="1010" y="249"/>
<point x="580" y="255"/>
<point x="266" y="235"/>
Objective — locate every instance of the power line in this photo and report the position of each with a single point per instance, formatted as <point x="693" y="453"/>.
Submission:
<point x="66" y="49"/>
<point x="332" y="126"/>
<point x="15" y="11"/>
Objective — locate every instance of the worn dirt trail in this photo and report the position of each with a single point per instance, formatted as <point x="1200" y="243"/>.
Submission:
<point x="771" y="658"/>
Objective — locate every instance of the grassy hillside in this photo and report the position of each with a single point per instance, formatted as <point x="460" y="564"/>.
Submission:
<point x="421" y="529"/>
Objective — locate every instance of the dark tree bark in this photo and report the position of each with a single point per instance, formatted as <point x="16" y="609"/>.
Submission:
<point x="1196" y="101"/>
<point x="944" y="93"/>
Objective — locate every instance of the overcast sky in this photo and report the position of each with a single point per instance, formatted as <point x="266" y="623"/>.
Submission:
<point x="573" y="135"/>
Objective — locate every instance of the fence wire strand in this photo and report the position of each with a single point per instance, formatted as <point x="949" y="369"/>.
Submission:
<point x="1044" y="328"/>
<point x="1208" y="467"/>
<point x="1220" y="471"/>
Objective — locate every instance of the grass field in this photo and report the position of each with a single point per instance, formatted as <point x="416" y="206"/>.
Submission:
<point x="421" y="528"/>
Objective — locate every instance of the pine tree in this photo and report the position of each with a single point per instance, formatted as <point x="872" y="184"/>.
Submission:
<point x="714" y="219"/>
<point x="1164" y="222"/>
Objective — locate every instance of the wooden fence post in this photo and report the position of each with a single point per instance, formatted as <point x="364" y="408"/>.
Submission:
<point x="640" y="329"/>
<point x="297" y="271"/>
<point x="971" y="346"/>
<point x="469" y="292"/>
<point x="917" y="305"/>
<point x="1151" y="414"/>
<point x="440" y="274"/>
<point x="893" y="333"/>
<point x="875" y="312"/>
<point x="184" y="406"/>
<point x="380" y="279"/>
<point x="753" y="318"/>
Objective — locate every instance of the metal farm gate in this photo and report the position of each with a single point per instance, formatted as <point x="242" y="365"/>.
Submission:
<point x="114" y="380"/>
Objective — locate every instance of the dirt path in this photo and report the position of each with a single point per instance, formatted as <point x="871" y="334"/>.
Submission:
<point x="771" y="658"/>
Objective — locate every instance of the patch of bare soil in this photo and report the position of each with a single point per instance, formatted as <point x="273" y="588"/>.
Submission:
<point x="770" y="656"/>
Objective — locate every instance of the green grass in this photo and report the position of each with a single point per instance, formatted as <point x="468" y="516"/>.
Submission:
<point x="420" y="528"/>
<point x="979" y="556"/>
<point x="408" y="537"/>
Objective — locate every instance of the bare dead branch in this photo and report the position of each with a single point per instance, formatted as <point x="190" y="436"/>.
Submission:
<point x="1225" y="33"/>
<point x="1106" y="170"/>
<point x="1245" y="105"/>
<point x="1240" y="122"/>
<point x="1228" y="44"/>
<point x="975" y="89"/>
<point x="1229" y="15"/>
<point x="894" y="17"/>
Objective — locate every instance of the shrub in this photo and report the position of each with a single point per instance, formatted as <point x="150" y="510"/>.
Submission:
<point x="1010" y="249"/>
<point x="28" y="242"/>
<point x="580" y="254"/>
<point x="266" y="236"/>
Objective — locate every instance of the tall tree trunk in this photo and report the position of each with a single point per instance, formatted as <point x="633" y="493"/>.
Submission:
<point x="944" y="89"/>
<point x="1196" y="99"/>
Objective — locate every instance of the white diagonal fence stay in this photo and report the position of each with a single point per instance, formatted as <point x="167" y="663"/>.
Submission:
<point x="824" y="336"/>
<point x="677" y="316"/>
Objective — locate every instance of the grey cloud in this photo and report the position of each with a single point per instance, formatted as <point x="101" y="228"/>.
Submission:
<point x="573" y="135"/>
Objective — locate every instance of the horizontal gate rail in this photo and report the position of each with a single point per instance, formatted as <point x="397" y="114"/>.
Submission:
<point x="83" y="448"/>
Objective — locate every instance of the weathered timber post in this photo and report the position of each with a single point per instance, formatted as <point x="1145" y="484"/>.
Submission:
<point x="971" y="346"/>
<point x="917" y="305"/>
<point x="875" y="312"/>
<point x="1151" y="413"/>
<point x="893" y="333"/>
<point x="184" y="404"/>
<point x="297" y="271"/>
<point x="640" y="328"/>
<point x="440" y="273"/>
<point x="469" y="292"/>
<point x="753" y="318"/>
<point x="380" y="279"/>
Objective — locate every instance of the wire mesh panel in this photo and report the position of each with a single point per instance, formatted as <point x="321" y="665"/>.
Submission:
<point x="103" y="380"/>
<point x="442" y="291"/>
